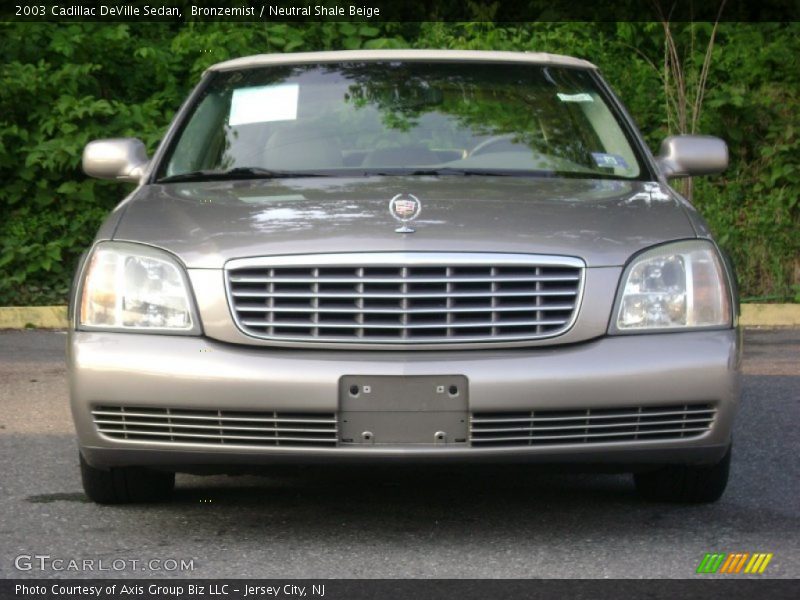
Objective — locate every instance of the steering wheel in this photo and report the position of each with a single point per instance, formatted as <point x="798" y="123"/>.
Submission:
<point x="495" y="139"/>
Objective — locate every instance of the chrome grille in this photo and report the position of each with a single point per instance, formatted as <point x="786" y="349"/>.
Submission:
<point x="216" y="426"/>
<point x="589" y="426"/>
<point x="405" y="298"/>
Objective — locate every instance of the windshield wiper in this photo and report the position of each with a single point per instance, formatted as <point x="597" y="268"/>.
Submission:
<point x="589" y="175"/>
<point x="238" y="173"/>
<point x="449" y="171"/>
<point x="465" y="172"/>
<point x="445" y="171"/>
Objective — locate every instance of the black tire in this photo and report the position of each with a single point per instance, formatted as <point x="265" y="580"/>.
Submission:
<point x="685" y="483"/>
<point x="123" y="485"/>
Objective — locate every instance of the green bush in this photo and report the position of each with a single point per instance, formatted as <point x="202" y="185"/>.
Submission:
<point x="63" y="85"/>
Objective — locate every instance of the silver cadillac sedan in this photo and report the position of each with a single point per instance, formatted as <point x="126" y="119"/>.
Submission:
<point x="413" y="255"/>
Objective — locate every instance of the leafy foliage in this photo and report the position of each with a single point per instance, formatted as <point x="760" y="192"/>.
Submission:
<point x="63" y="85"/>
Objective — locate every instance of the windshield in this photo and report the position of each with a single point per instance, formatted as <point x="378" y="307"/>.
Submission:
<point x="358" y="119"/>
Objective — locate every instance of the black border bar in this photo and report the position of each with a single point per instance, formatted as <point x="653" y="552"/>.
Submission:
<point x="730" y="588"/>
<point x="502" y="11"/>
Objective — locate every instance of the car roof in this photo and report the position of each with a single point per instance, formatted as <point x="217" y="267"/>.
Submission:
<point x="539" y="58"/>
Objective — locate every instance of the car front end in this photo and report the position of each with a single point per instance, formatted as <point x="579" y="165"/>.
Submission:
<point x="476" y="297"/>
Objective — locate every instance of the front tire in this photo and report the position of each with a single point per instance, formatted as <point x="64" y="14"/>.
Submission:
<point x="685" y="483"/>
<point x="123" y="485"/>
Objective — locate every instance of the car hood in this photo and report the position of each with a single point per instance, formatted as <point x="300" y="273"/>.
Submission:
<point x="205" y="224"/>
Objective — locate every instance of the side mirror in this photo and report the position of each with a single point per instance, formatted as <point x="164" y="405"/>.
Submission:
<point x="687" y="155"/>
<point x="123" y="159"/>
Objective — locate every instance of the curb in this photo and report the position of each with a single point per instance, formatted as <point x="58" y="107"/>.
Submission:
<point x="55" y="317"/>
<point x="33" y="317"/>
<point x="770" y="315"/>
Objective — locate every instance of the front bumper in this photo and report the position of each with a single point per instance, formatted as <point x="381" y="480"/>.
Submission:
<point x="122" y="369"/>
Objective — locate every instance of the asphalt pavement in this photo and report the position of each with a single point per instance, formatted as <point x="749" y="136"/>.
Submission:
<point x="390" y="522"/>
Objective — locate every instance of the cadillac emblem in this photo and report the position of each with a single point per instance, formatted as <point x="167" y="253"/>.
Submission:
<point x="405" y="208"/>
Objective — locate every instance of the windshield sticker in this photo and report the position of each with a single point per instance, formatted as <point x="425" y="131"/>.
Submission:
<point x="575" y="97"/>
<point x="264" y="104"/>
<point x="601" y="159"/>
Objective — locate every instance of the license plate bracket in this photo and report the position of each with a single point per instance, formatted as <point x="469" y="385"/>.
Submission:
<point x="379" y="410"/>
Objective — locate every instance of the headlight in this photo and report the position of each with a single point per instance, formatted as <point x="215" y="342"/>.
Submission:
<point x="675" y="286"/>
<point x="135" y="287"/>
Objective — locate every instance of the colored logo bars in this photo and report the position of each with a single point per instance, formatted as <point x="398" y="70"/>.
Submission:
<point x="734" y="563"/>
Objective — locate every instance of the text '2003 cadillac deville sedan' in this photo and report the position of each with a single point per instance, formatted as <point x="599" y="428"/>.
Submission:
<point x="403" y="255"/>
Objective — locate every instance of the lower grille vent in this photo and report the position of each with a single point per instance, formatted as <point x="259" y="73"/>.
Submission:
<point x="588" y="426"/>
<point x="216" y="426"/>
